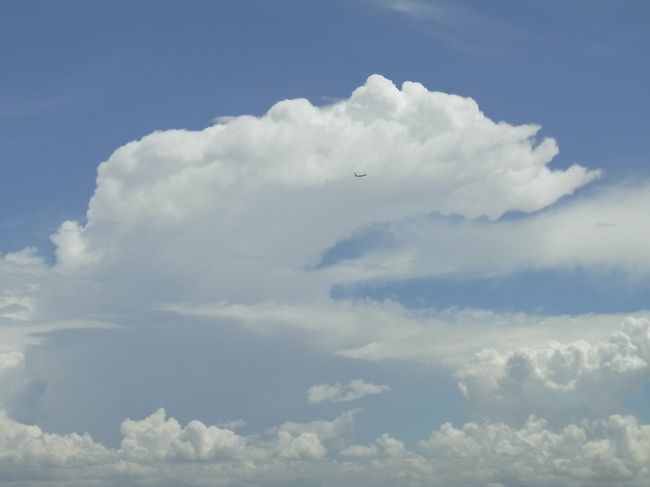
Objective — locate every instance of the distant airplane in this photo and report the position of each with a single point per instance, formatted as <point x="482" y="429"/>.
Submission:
<point x="360" y="175"/>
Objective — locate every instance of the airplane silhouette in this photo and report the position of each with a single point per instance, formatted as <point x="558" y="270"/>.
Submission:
<point x="360" y="175"/>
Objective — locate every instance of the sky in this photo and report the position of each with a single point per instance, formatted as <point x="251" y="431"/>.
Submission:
<point x="195" y="289"/>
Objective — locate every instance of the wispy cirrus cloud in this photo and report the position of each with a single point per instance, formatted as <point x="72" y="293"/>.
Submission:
<point x="455" y="24"/>
<point x="421" y="9"/>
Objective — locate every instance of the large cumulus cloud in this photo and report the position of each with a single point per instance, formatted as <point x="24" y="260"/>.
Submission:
<point x="232" y="222"/>
<point x="613" y="450"/>
<point x="260" y="198"/>
<point x="562" y="382"/>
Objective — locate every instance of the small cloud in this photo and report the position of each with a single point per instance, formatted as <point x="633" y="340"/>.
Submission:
<point x="338" y="392"/>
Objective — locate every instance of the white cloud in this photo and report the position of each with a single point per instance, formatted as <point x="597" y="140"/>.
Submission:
<point x="359" y="451"/>
<point x="392" y="447"/>
<point x="603" y="232"/>
<point x="305" y="446"/>
<point x="372" y="331"/>
<point x="338" y="392"/>
<point x="159" y="449"/>
<point x="240" y="213"/>
<point x="161" y="438"/>
<point x="20" y="391"/>
<point x="563" y="382"/>
<point x="614" y="450"/>
<point x="324" y="430"/>
<point x="260" y="198"/>
<point x="21" y="275"/>
<point x="27" y="452"/>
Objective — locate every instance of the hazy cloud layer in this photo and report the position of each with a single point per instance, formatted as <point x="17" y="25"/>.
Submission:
<point x="373" y="331"/>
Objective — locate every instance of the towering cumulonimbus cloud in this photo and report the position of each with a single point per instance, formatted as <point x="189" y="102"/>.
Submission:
<point x="231" y="223"/>
<point x="190" y="206"/>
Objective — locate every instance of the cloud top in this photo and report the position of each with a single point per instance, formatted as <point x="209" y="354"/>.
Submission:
<point x="193" y="205"/>
<point x="559" y="381"/>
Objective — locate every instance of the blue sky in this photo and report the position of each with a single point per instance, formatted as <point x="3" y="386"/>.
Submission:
<point x="160" y="248"/>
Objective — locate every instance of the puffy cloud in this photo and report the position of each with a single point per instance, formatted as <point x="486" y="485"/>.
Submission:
<point x="323" y="430"/>
<point x="305" y="446"/>
<point x="392" y="447"/>
<point x="260" y="198"/>
<point x="559" y="381"/>
<point x="161" y="438"/>
<point x="338" y="392"/>
<point x="27" y="453"/>
<point x="614" y="450"/>
<point x="158" y="437"/>
<point x="158" y="448"/>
